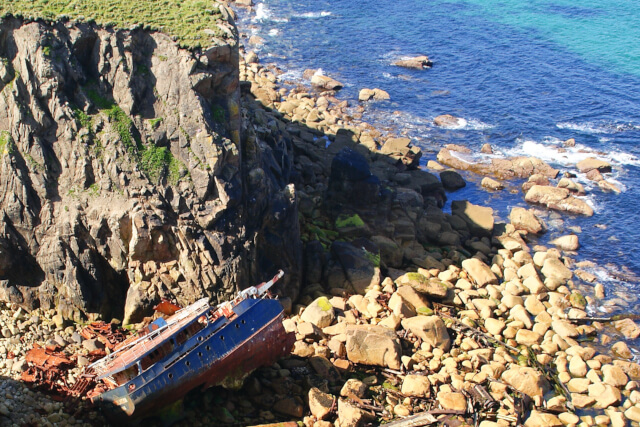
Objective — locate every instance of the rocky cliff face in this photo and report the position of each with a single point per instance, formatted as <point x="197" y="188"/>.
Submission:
<point x="127" y="174"/>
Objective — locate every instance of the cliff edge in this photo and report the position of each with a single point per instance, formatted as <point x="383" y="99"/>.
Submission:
<point x="124" y="174"/>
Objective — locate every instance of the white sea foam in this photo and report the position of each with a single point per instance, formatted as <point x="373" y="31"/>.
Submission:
<point x="468" y="124"/>
<point x="274" y="32"/>
<point x="598" y="127"/>
<point x="549" y="151"/>
<point x="291" y="74"/>
<point x="313" y="15"/>
<point x="263" y="13"/>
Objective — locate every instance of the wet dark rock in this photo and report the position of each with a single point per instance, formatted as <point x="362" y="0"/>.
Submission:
<point x="452" y="180"/>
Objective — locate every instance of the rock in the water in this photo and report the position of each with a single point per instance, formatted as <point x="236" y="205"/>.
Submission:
<point x="592" y="163"/>
<point x="319" y="313"/>
<point x="491" y="184"/>
<point x="572" y="186"/>
<point x="325" y="82"/>
<point x="566" y="243"/>
<point x="430" y="329"/>
<point x="628" y="328"/>
<point x="452" y="180"/>
<point x="526" y="380"/>
<point x="417" y="62"/>
<point x="558" y="199"/>
<point x="373" y="345"/>
<point x="376" y="94"/>
<point x="449" y="121"/>
<point x="480" y="272"/>
<point x="525" y="219"/>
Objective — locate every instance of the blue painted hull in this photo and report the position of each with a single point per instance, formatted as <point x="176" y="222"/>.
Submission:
<point x="224" y="352"/>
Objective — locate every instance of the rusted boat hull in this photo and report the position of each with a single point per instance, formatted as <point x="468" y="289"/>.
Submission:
<point x="254" y="338"/>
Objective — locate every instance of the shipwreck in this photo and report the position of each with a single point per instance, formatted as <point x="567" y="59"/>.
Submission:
<point x="195" y="346"/>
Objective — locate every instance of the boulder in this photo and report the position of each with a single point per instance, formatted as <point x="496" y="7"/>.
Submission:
<point x="554" y="269"/>
<point x="592" y="163"/>
<point x="320" y="403"/>
<point x="526" y="380"/>
<point x="324" y="82"/>
<point x="566" y="243"/>
<point x="480" y="272"/>
<point x="491" y="184"/>
<point x="357" y="265"/>
<point x="319" y="313"/>
<point x="430" y="329"/>
<point x="373" y="345"/>
<point x="525" y="219"/>
<point x="375" y="94"/>
<point x="349" y="415"/>
<point x="416" y="62"/>
<point x="449" y="121"/>
<point x="614" y="375"/>
<point x="628" y="328"/>
<point x="572" y="186"/>
<point x="351" y="182"/>
<point x="390" y="252"/>
<point x="452" y="401"/>
<point x="564" y="328"/>
<point x="416" y="386"/>
<point x="479" y="219"/>
<point x="605" y="395"/>
<point x="415" y="299"/>
<point x="452" y="180"/>
<point x="355" y="387"/>
<point x="535" y="179"/>
<point x="542" y="419"/>
<point x="558" y="199"/>
<point x="402" y="150"/>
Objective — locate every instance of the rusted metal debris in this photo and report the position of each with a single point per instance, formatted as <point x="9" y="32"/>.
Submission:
<point x="48" y="366"/>
<point x="167" y="307"/>
<point x="47" y="370"/>
<point x="108" y="333"/>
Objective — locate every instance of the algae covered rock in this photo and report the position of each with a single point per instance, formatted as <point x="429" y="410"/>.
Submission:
<point x="320" y="313"/>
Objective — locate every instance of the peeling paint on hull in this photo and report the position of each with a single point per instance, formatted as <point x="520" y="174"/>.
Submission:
<point x="254" y="337"/>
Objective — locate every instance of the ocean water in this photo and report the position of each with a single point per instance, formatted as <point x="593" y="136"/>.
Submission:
<point x="525" y="76"/>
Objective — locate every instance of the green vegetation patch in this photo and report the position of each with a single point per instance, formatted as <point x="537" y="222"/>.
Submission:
<point x="417" y="277"/>
<point x="348" y="221"/>
<point x="6" y="143"/>
<point x="186" y="20"/>
<point x="154" y="161"/>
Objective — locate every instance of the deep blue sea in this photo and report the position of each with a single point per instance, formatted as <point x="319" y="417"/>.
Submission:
<point x="525" y="76"/>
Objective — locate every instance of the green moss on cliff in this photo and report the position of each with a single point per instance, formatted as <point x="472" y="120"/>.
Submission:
<point x="187" y="20"/>
<point x="6" y="143"/>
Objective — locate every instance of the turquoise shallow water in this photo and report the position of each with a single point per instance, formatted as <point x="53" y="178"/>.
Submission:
<point x="605" y="33"/>
<point x="525" y="76"/>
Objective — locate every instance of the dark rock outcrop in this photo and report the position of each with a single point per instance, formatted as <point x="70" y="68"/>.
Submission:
<point x="127" y="176"/>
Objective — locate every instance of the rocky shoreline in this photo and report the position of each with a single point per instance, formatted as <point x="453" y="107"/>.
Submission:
<point x="403" y="310"/>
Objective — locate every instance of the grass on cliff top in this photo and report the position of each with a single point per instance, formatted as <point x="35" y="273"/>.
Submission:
<point x="185" y="19"/>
